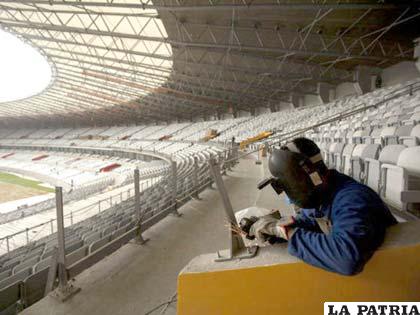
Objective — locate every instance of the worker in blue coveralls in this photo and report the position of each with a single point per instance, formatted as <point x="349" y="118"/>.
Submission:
<point x="341" y="222"/>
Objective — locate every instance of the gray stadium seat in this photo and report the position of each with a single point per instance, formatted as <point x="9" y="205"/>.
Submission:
<point x="70" y="247"/>
<point x="5" y="274"/>
<point x="358" y="136"/>
<point x="359" y="154"/>
<point x="76" y="255"/>
<point x="91" y="237"/>
<point x="25" y="264"/>
<point x="34" y="286"/>
<point x="402" y="178"/>
<point x="16" y="277"/>
<point x="385" y="132"/>
<point x="345" y="159"/>
<point x="389" y="155"/>
<point x="99" y="243"/>
<point x="413" y="139"/>
<point x="45" y="263"/>
<point x="9" y="296"/>
<point x="401" y="131"/>
<point x="11" y="263"/>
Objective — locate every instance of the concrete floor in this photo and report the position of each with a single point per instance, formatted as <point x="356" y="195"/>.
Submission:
<point x="135" y="279"/>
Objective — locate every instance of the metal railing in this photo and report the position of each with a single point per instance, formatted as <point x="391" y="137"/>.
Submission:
<point x="78" y="193"/>
<point x="156" y="201"/>
<point x="346" y="113"/>
<point x="38" y="231"/>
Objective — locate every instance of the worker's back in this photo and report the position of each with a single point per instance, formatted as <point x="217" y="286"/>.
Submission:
<point x="345" y="191"/>
<point x="358" y="219"/>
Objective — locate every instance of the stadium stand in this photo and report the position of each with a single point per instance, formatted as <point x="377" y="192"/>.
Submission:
<point x="148" y="98"/>
<point x="367" y="145"/>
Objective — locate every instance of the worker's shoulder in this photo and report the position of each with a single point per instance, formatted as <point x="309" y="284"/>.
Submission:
<point x="346" y="188"/>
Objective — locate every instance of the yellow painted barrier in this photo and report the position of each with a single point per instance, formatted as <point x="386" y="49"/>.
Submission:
<point x="276" y="283"/>
<point x="258" y="137"/>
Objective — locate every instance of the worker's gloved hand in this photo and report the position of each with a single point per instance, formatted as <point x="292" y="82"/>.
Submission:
<point x="269" y="226"/>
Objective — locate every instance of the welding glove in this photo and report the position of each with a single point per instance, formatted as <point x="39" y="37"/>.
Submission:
<point x="269" y="226"/>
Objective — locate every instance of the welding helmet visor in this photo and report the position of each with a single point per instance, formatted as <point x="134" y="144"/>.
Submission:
<point x="296" y="175"/>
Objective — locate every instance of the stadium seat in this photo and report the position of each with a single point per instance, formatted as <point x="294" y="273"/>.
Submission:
<point x="413" y="139"/>
<point x="372" y="174"/>
<point x="401" y="131"/>
<point x="344" y="161"/>
<point x="19" y="276"/>
<point x="400" y="183"/>
<point x="10" y="295"/>
<point x="359" y="154"/>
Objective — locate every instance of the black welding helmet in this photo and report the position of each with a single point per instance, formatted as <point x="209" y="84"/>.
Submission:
<point x="297" y="168"/>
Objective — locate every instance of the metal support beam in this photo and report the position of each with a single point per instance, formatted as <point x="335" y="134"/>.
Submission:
<point x="195" y="178"/>
<point x="237" y="248"/>
<point x="279" y="50"/>
<point x="195" y="44"/>
<point x="213" y="7"/>
<point x="139" y="238"/>
<point x="174" y="178"/>
<point x="65" y="289"/>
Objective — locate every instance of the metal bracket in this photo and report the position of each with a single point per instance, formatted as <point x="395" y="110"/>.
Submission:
<point x="237" y="249"/>
<point x="62" y="294"/>
<point x="65" y="290"/>
<point x="174" y="189"/>
<point x="52" y="272"/>
<point x="139" y="238"/>
<point x="195" y="178"/>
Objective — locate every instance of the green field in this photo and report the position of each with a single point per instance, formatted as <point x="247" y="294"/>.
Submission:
<point x="16" y="180"/>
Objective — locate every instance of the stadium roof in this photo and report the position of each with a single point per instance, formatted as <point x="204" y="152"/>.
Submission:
<point x="125" y="61"/>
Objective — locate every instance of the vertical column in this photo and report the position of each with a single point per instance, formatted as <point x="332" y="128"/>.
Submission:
<point x="137" y="193"/>
<point x="61" y="260"/>
<point x="139" y="238"/>
<point x="221" y="162"/>
<point x="64" y="290"/>
<point x="236" y="242"/>
<point x="323" y="90"/>
<point x="174" y="188"/>
<point x="235" y="153"/>
<point x="297" y="100"/>
<point x="195" y="178"/>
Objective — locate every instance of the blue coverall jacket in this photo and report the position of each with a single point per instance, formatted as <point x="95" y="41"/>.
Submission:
<point x="359" y="219"/>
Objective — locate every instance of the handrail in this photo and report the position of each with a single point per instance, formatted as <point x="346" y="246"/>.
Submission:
<point x="344" y="114"/>
<point x="75" y="194"/>
<point x="72" y="213"/>
<point x="160" y="156"/>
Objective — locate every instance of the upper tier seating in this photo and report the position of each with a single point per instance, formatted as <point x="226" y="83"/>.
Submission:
<point x="388" y="155"/>
<point x="377" y="146"/>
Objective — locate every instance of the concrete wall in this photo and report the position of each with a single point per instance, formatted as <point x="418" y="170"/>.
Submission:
<point x="365" y="77"/>
<point x="273" y="281"/>
<point x="346" y="89"/>
<point x="243" y="113"/>
<point x="309" y="100"/>
<point x="297" y="100"/>
<point x="324" y="91"/>
<point x="417" y="52"/>
<point x="262" y="110"/>
<point x="399" y="73"/>
<point x="226" y="116"/>
<point x="284" y="106"/>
